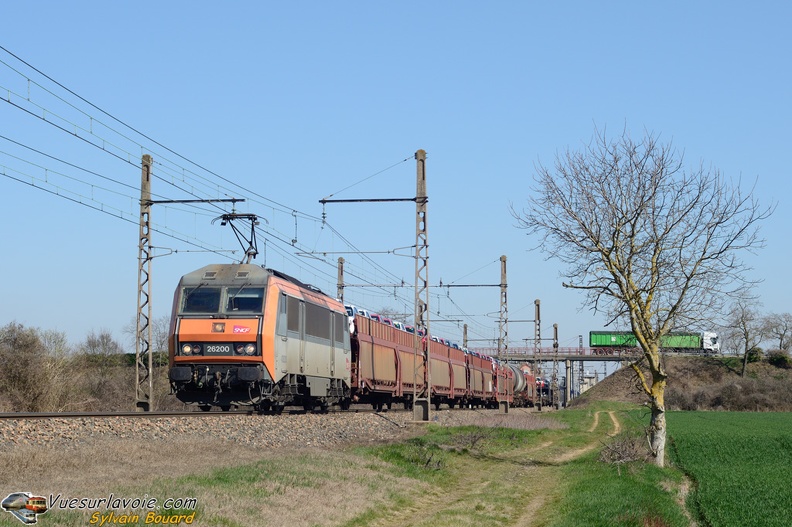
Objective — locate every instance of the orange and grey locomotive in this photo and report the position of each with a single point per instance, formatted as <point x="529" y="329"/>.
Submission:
<point x="242" y="335"/>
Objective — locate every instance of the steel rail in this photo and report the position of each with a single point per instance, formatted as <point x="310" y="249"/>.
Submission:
<point x="163" y="414"/>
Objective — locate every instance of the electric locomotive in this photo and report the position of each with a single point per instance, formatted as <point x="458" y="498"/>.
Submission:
<point x="242" y="335"/>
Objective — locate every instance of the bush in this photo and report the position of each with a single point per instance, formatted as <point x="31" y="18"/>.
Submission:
<point x="625" y="448"/>
<point x="754" y="355"/>
<point x="22" y="368"/>
<point x="780" y="359"/>
<point x="40" y="373"/>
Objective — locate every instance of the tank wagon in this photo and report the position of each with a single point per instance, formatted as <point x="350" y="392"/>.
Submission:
<point x="242" y="335"/>
<point x="608" y="342"/>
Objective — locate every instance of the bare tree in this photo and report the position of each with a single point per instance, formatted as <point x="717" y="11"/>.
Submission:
<point x="102" y="354"/>
<point x="778" y="326"/>
<point x="654" y="246"/>
<point x="160" y="330"/>
<point x="21" y="379"/>
<point x="744" y="330"/>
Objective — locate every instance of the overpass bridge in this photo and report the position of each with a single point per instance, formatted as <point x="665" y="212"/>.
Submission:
<point x="530" y="354"/>
<point x="567" y="357"/>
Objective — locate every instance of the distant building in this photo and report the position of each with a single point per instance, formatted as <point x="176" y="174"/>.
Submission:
<point x="588" y="380"/>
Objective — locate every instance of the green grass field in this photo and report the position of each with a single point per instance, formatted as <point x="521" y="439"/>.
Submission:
<point x="740" y="464"/>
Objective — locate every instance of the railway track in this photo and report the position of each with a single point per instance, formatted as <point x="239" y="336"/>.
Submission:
<point x="164" y="414"/>
<point x="87" y="430"/>
<point x="149" y="415"/>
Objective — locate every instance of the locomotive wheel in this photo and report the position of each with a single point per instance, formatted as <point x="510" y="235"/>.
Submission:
<point x="205" y="408"/>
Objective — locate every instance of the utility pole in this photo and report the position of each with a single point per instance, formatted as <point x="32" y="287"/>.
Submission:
<point x="143" y="357"/>
<point x="144" y="362"/>
<point x="341" y="279"/>
<point x="421" y="405"/>
<point x="554" y="384"/>
<point x="537" y="345"/>
<point x="503" y="330"/>
<point x="503" y="321"/>
<point x="422" y="400"/>
<point x="582" y="373"/>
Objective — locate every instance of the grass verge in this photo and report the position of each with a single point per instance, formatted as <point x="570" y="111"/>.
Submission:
<point x="519" y="471"/>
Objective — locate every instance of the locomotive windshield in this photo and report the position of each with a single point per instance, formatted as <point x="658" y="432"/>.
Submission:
<point x="245" y="299"/>
<point x="232" y="300"/>
<point x="200" y="299"/>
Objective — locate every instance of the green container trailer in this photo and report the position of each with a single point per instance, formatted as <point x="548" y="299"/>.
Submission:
<point x="625" y="339"/>
<point x="612" y="339"/>
<point x="681" y="341"/>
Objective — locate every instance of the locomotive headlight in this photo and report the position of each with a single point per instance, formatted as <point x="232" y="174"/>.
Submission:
<point x="246" y="349"/>
<point x="187" y="349"/>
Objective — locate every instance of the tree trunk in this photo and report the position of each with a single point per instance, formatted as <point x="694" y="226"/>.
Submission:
<point x="656" y="393"/>
<point x="657" y="436"/>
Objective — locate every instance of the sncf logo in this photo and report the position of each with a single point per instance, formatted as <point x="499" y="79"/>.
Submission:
<point x="241" y="329"/>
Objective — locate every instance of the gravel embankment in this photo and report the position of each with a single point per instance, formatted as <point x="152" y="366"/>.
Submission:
<point x="259" y="431"/>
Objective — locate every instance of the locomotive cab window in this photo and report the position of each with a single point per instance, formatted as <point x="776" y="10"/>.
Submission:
<point x="200" y="300"/>
<point x="245" y="299"/>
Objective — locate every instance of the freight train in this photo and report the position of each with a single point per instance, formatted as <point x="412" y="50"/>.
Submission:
<point x="610" y="342"/>
<point x="242" y="335"/>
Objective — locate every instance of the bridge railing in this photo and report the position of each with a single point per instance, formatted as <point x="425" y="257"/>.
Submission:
<point x="548" y="353"/>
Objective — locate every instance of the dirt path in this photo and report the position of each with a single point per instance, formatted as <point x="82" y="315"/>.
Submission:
<point x="530" y="477"/>
<point x="595" y="423"/>
<point x="616" y="424"/>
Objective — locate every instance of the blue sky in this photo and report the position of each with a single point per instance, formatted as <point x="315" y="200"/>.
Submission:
<point x="290" y="102"/>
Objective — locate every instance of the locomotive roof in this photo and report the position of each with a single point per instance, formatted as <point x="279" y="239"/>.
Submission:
<point x="238" y="274"/>
<point x="226" y="274"/>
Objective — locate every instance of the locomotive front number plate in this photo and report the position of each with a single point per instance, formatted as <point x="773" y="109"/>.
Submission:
<point x="218" y="349"/>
